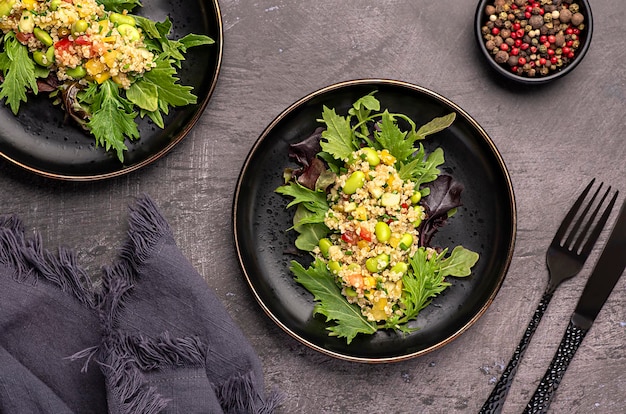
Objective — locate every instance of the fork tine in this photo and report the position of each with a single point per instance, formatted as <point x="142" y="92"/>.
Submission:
<point x="598" y="229"/>
<point x="571" y="214"/>
<point x="585" y="231"/>
<point x="574" y="232"/>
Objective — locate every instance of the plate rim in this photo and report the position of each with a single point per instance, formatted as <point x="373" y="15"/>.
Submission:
<point x="502" y="169"/>
<point x="123" y="170"/>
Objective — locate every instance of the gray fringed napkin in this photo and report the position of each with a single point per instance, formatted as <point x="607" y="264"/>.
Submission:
<point x="152" y="339"/>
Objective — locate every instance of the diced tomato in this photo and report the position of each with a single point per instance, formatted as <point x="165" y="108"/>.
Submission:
<point x="63" y="44"/>
<point x="23" y="37"/>
<point x="349" y="237"/>
<point x="82" y="40"/>
<point x="365" y="234"/>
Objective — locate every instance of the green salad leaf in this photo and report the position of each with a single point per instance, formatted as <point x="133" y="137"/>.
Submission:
<point x="119" y="5"/>
<point x="338" y="139"/>
<point x="112" y="118"/>
<point x="426" y="280"/>
<point x="349" y="321"/>
<point x="18" y="70"/>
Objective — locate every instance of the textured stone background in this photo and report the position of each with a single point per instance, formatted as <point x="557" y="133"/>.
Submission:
<point x="553" y="139"/>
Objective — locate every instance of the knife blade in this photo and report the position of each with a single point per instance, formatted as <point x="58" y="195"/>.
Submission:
<point x="603" y="279"/>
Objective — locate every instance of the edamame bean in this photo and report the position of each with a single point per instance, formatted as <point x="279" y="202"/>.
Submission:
<point x="77" y="73"/>
<point x="43" y="36"/>
<point x="416" y="197"/>
<point x="5" y="7"/>
<point x="350" y="292"/>
<point x="400" y="268"/>
<point x="417" y="222"/>
<point x="54" y="4"/>
<point x="382" y="231"/>
<point x="324" y="244"/>
<point x="79" y="27"/>
<point x="129" y="32"/>
<point x="122" y="19"/>
<point x="44" y="59"/>
<point x="406" y="241"/>
<point x="354" y="182"/>
<point x="334" y="267"/>
<point x="378" y="263"/>
<point x="371" y="156"/>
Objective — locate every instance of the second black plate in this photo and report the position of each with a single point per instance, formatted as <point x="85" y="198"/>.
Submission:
<point x="39" y="140"/>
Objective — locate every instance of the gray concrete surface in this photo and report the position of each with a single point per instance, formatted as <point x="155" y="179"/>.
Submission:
<point x="553" y="139"/>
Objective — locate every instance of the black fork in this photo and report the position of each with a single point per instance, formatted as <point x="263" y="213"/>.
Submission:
<point x="565" y="258"/>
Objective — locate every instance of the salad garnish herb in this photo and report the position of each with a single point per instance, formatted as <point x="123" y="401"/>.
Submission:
<point x="368" y="200"/>
<point x="104" y="65"/>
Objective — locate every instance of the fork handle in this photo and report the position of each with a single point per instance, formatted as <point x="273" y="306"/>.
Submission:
<point x="542" y="397"/>
<point x="496" y="399"/>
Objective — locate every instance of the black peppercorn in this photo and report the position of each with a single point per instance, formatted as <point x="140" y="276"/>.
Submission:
<point x="577" y="19"/>
<point x="502" y="56"/>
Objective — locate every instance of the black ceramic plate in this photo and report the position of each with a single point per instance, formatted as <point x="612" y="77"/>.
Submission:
<point x="39" y="140"/>
<point x="486" y="223"/>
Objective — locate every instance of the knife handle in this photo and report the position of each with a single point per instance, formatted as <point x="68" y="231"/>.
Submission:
<point x="542" y="397"/>
<point x="495" y="402"/>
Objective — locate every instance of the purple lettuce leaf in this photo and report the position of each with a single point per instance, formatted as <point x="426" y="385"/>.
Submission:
<point x="445" y="195"/>
<point x="304" y="152"/>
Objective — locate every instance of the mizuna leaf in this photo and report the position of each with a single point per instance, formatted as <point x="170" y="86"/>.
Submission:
<point x="338" y="138"/>
<point x="19" y="73"/>
<point x="330" y="303"/>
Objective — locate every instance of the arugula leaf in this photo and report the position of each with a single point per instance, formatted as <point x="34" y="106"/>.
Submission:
<point x="119" y="5"/>
<point x="338" y="138"/>
<point x="112" y="118"/>
<point x="19" y="73"/>
<point x="459" y="263"/>
<point x="193" y="40"/>
<point x="321" y="283"/>
<point x="420" y="170"/>
<point x="149" y="28"/>
<point x="436" y="125"/>
<point x="362" y="109"/>
<point x="310" y="226"/>
<point x="314" y="201"/>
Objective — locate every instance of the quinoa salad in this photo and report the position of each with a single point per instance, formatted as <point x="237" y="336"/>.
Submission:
<point x="95" y="61"/>
<point x="368" y="202"/>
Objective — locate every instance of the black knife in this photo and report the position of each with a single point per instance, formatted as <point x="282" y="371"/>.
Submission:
<point x="605" y="275"/>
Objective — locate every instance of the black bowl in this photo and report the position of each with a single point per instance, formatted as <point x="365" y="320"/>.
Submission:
<point x="505" y="70"/>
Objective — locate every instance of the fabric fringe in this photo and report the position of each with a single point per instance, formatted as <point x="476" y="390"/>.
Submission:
<point x="127" y="386"/>
<point x="165" y="351"/>
<point x="239" y="395"/>
<point x="31" y="261"/>
<point x="146" y="227"/>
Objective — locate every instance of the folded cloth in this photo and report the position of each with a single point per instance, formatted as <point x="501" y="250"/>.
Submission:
<point x="161" y="338"/>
